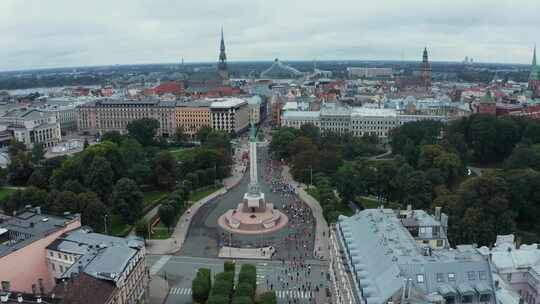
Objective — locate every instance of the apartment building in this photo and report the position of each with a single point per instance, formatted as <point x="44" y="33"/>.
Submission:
<point x="31" y="126"/>
<point x="387" y="264"/>
<point x="114" y="115"/>
<point x="229" y="114"/>
<point x="116" y="265"/>
<point x="193" y="115"/>
<point x="23" y="242"/>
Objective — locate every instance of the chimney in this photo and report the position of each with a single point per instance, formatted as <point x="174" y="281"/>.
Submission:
<point x="409" y="207"/>
<point x="38" y="299"/>
<point x="19" y="298"/>
<point x="38" y="210"/>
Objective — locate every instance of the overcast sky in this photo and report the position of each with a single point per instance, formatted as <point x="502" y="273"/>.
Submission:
<point x="57" y="33"/>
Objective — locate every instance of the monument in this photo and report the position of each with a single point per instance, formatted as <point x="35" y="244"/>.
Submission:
<point x="253" y="215"/>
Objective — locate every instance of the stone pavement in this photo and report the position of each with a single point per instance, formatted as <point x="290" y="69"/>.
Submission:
<point x="264" y="253"/>
<point x="158" y="289"/>
<point x="321" y="248"/>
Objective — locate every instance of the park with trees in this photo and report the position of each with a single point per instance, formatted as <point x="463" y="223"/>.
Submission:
<point x="114" y="182"/>
<point x="428" y="167"/>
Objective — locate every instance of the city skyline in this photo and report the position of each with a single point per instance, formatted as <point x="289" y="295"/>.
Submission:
<point x="139" y="32"/>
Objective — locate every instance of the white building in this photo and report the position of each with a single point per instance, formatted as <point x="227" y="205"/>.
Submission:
<point x="255" y="103"/>
<point x="31" y="126"/>
<point x="229" y="114"/>
<point x="363" y="72"/>
<point x="66" y="115"/>
<point x="517" y="265"/>
<point x="358" y="121"/>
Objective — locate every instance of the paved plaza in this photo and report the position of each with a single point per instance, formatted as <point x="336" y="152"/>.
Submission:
<point x="205" y="237"/>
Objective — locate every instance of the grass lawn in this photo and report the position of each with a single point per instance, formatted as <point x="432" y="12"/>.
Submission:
<point x="178" y="153"/>
<point x="5" y="192"/>
<point x="197" y="195"/>
<point x="161" y="233"/>
<point x="152" y="196"/>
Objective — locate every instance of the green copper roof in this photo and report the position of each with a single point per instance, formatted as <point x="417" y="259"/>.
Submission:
<point x="487" y="98"/>
<point x="534" y="68"/>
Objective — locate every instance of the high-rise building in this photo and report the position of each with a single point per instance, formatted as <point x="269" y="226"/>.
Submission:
<point x="534" y="82"/>
<point x="223" y="70"/>
<point x="426" y="69"/>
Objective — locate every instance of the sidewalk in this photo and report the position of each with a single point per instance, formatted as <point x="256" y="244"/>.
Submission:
<point x="321" y="249"/>
<point x="158" y="290"/>
<point x="264" y="253"/>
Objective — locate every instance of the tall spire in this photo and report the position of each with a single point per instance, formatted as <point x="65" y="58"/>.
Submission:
<point x="222" y="63"/>
<point x="534" y="68"/>
<point x="426" y="69"/>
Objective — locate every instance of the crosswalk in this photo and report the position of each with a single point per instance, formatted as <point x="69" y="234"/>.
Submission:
<point x="180" y="291"/>
<point x="293" y="294"/>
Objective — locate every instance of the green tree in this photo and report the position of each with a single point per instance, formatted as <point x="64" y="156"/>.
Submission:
<point x="99" y="177"/>
<point x="242" y="300"/>
<point x="201" y="286"/>
<point x="39" y="178"/>
<point x="92" y="211"/>
<point x="304" y="163"/>
<point x="245" y="290"/>
<point x="167" y="215"/>
<point x="164" y="168"/>
<point x="202" y="133"/>
<point x="112" y="136"/>
<point x="428" y="154"/>
<point x="127" y="200"/>
<point x="144" y="130"/>
<point x="229" y="266"/>
<point x="180" y="136"/>
<point x="523" y="157"/>
<point x="131" y="151"/>
<point x="38" y="153"/>
<point x="268" y="297"/>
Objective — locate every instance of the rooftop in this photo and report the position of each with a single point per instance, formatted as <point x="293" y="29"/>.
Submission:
<point x="222" y="103"/>
<point x="27" y="227"/>
<point x="301" y="114"/>
<point x="382" y="254"/>
<point x="101" y="256"/>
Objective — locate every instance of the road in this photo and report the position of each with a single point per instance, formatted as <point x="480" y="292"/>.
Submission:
<point x="180" y="271"/>
<point x="205" y="237"/>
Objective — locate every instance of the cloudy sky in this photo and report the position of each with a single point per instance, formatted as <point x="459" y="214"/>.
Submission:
<point x="57" y="33"/>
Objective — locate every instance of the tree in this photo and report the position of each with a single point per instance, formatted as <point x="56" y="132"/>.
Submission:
<point x="20" y="169"/>
<point x="38" y="153"/>
<point x="218" y="299"/>
<point x="144" y="130"/>
<point x="193" y="179"/>
<point x="268" y="297"/>
<point x="93" y="210"/>
<point x="39" y="179"/>
<point x="15" y="147"/>
<point x="450" y="165"/>
<point x="140" y="173"/>
<point x="523" y="157"/>
<point x="242" y="300"/>
<point x="304" y="163"/>
<point x="112" y="136"/>
<point x="127" y="200"/>
<point x="99" y="177"/>
<point x="201" y="286"/>
<point x="312" y="132"/>
<point x="248" y="274"/>
<point x="245" y="290"/>
<point x="167" y="215"/>
<point x="428" y="154"/>
<point x="229" y="266"/>
<point x="180" y="136"/>
<point x="165" y="170"/>
<point x="202" y="133"/>
<point x="141" y="228"/>
<point x="132" y="151"/>
<point x="86" y="143"/>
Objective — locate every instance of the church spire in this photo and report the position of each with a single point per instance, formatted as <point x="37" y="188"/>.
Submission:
<point x="534" y="68"/>
<point x="222" y="63"/>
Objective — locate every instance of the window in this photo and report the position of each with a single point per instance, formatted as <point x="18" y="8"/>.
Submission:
<point x="471" y="275"/>
<point x="53" y="266"/>
<point x="509" y="277"/>
<point x="450" y="300"/>
<point x="440" y="277"/>
<point x="420" y="278"/>
<point x="484" y="297"/>
<point x="482" y="275"/>
<point x="65" y="257"/>
<point x="61" y="269"/>
<point x="59" y="255"/>
<point x="466" y="299"/>
<point x="439" y="243"/>
<point x="52" y="254"/>
<point x="451" y="277"/>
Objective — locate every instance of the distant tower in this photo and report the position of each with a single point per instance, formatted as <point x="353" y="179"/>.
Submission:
<point x="534" y="82"/>
<point x="487" y="105"/>
<point x="223" y="70"/>
<point x="426" y="69"/>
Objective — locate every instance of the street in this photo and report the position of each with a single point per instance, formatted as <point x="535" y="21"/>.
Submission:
<point x="179" y="271"/>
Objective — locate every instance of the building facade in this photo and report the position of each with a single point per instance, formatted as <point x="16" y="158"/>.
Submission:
<point x="229" y="114"/>
<point x="192" y="116"/>
<point x="31" y="127"/>
<point x="114" y="115"/>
